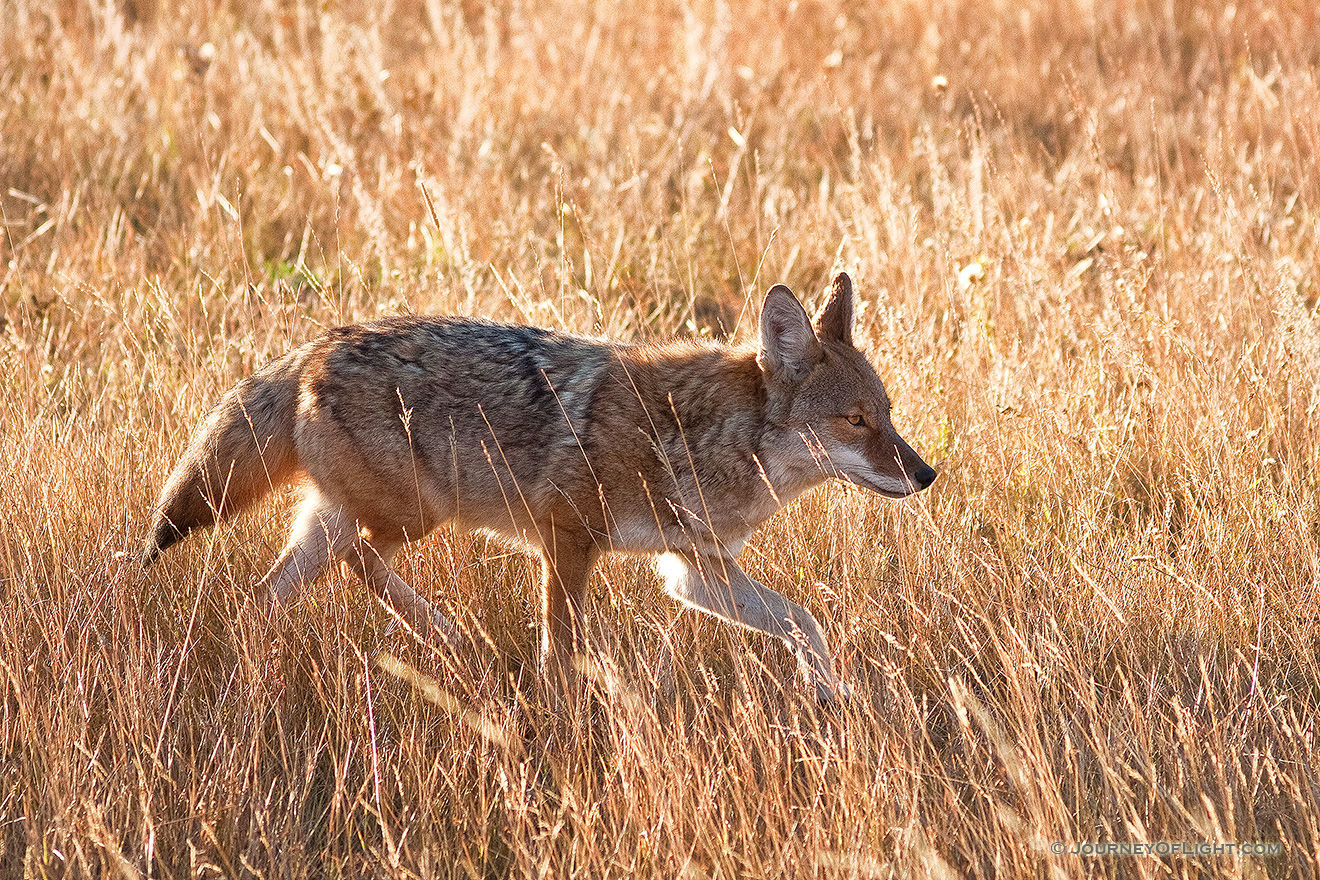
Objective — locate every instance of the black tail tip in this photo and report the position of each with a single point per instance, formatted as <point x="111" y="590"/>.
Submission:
<point x="163" y="536"/>
<point x="148" y="555"/>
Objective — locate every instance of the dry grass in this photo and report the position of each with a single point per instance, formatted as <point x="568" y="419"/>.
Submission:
<point x="1086" y="241"/>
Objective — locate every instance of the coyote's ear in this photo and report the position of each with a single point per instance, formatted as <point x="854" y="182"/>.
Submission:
<point x="834" y="321"/>
<point x="789" y="348"/>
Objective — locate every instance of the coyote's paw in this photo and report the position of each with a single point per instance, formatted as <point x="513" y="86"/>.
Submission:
<point x="445" y="633"/>
<point x="437" y="629"/>
<point x="838" y="695"/>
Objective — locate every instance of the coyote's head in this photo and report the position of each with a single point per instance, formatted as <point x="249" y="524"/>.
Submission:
<point x="831" y="396"/>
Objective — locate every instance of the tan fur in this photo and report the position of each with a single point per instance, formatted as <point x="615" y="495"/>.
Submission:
<point x="568" y="446"/>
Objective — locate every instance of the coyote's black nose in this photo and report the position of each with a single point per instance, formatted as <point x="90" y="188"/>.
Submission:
<point x="924" y="476"/>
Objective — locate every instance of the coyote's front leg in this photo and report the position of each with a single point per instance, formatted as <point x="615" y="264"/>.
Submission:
<point x="717" y="585"/>
<point x="567" y="562"/>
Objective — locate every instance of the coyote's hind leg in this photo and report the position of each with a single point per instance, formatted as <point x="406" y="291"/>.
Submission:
<point x="370" y="561"/>
<point x="320" y="533"/>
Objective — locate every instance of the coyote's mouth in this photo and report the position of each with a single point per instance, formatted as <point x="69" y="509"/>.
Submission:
<point x="881" y="485"/>
<point x="850" y="466"/>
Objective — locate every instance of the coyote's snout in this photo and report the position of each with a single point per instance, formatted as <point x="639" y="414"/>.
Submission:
<point x="571" y="447"/>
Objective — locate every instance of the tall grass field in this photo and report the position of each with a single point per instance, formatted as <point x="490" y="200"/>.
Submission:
<point x="1085" y="241"/>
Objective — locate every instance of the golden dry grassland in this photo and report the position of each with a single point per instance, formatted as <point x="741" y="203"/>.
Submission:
<point x="1085" y="235"/>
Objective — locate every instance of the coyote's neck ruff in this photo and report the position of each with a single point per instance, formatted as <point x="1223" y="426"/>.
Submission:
<point x="570" y="446"/>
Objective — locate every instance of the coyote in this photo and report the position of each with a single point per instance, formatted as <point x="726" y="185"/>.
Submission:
<point x="568" y="446"/>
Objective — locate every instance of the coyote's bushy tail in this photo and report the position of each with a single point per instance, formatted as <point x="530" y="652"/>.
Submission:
<point x="242" y="450"/>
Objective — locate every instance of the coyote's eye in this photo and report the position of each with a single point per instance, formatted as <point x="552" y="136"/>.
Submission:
<point x="857" y="421"/>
